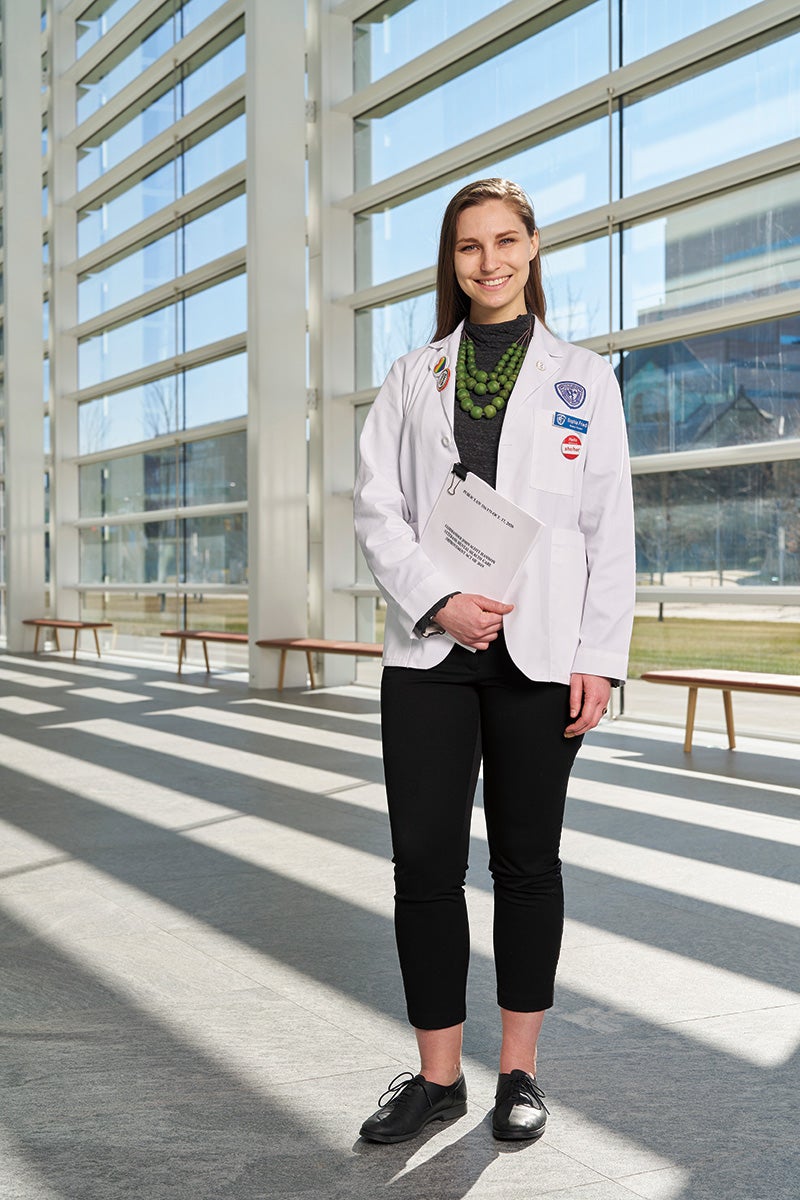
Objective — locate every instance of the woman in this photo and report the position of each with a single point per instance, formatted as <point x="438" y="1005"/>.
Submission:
<point x="516" y="683"/>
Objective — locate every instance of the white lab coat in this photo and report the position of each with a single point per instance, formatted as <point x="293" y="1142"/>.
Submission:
<point x="573" y="597"/>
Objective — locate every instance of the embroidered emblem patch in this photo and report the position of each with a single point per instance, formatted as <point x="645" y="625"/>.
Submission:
<point x="566" y="421"/>
<point x="571" y="446"/>
<point x="573" y="394"/>
<point x="442" y="380"/>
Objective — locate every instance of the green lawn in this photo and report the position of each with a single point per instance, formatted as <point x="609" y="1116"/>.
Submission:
<point x="772" y="646"/>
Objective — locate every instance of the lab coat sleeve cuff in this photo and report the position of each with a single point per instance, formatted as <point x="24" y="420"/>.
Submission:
<point x="420" y="599"/>
<point x="591" y="661"/>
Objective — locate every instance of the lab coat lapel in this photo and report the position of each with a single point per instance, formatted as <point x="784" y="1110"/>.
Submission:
<point x="542" y="362"/>
<point x="448" y="348"/>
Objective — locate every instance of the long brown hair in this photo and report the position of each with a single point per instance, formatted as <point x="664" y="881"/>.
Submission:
<point x="452" y="305"/>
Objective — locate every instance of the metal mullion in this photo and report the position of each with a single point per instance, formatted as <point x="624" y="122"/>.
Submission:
<point x="652" y="68"/>
<point x="177" y="513"/>
<point x="168" y="64"/>
<point x="710" y="320"/>
<point x="139" y="159"/>
<point x="447" y="53"/>
<point x="170" y="366"/>
<point x="787" y="450"/>
<point x="161" y="221"/>
<point x="147" y="589"/>
<point x="109" y="42"/>
<point x="197" y="433"/>
<point x="352" y="10"/>
<point x="753" y="168"/>
<point x="160" y="297"/>
<point x="686" y="52"/>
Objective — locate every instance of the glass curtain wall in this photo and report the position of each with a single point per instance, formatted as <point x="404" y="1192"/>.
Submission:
<point x="656" y="142"/>
<point x="161" y="389"/>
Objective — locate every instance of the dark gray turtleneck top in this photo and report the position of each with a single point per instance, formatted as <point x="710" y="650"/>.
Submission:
<point x="477" y="441"/>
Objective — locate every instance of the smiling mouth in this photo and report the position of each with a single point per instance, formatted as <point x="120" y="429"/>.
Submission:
<point x="493" y="283"/>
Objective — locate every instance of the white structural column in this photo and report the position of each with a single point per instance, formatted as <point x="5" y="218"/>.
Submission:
<point x="276" y="323"/>
<point x="22" y="238"/>
<point x="64" y="551"/>
<point x="332" y="356"/>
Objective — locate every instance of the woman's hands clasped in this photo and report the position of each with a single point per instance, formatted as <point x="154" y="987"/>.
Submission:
<point x="473" y="620"/>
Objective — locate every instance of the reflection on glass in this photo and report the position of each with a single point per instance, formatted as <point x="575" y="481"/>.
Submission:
<point x="204" y="155"/>
<point x="96" y="20"/>
<point x="216" y="549"/>
<point x="383" y="334"/>
<point x="133" y="415"/>
<point x="152" y="39"/>
<point x="136" y="483"/>
<point x="576" y="286"/>
<point x="216" y="391"/>
<point x="197" y="242"/>
<point x="214" y="470"/>
<point x="146" y="553"/>
<point x="555" y="60"/>
<point x="722" y="526"/>
<point x="737" y="246"/>
<point x="216" y="312"/>
<point x="139" y="343"/>
<point x="205" y="316"/>
<point x="563" y="176"/>
<point x="194" y="550"/>
<point x="736" y="109"/>
<point x="724" y="389"/>
<point x="210" y="71"/>
<point x="647" y="25"/>
<point x="391" y="34"/>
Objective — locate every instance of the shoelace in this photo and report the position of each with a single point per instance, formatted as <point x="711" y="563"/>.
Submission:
<point x="525" y="1089"/>
<point x="397" y="1089"/>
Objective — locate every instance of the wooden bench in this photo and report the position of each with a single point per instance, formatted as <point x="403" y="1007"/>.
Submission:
<point x="726" y="682"/>
<point x="40" y="623"/>
<point x="318" y="645"/>
<point x="205" y="636"/>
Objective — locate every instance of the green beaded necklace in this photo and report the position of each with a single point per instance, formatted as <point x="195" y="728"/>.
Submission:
<point x="491" y="389"/>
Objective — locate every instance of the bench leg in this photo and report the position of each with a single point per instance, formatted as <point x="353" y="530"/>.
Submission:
<point x="181" y="650"/>
<point x="38" y="629"/>
<point x="55" y="635"/>
<point x="75" y="645"/>
<point x="282" y="669"/>
<point x="96" y="642"/>
<point x="691" y="709"/>
<point x="205" y="655"/>
<point x="727" y="700"/>
<point x="310" y="662"/>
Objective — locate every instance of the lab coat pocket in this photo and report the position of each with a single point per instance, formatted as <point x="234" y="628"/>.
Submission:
<point x="568" y="575"/>
<point x="557" y="455"/>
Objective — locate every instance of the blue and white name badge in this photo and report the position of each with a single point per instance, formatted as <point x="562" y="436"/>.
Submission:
<point x="567" y="421"/>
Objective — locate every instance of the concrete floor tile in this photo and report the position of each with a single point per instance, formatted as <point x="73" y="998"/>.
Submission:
<point x="200" y="994"/>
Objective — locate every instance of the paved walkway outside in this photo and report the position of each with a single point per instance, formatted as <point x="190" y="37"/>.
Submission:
<point x="199" y="993"/>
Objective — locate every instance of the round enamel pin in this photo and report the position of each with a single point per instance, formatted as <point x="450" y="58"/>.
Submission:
<point x="571" y="446"/>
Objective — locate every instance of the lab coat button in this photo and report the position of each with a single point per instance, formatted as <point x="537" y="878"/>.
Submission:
<point x="445" y="441"/>
<point x="539" y="365"/>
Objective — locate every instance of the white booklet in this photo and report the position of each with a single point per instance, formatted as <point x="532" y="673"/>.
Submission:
<point x="476" y="537"/>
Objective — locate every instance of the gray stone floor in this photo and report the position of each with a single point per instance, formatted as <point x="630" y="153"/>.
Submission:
<point x="199" y="996"/>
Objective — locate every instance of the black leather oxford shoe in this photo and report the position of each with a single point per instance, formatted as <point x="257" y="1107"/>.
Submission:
<point x="414" y="1104"/>
<point x="519" y="1110"/>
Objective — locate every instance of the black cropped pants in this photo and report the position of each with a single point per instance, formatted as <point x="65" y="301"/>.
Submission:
<point x="436" y="724"/>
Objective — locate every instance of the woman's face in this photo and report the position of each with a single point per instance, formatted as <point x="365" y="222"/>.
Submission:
<point x="492" y="260"/>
